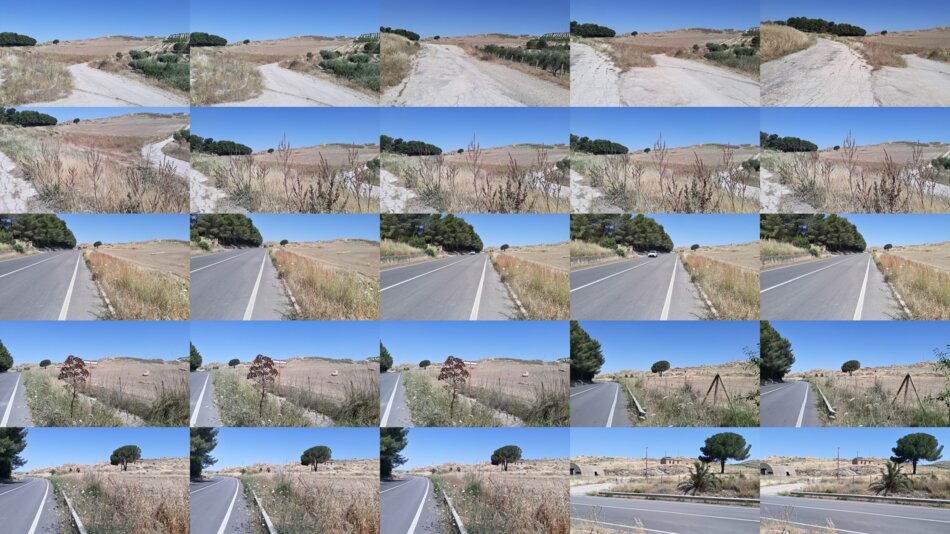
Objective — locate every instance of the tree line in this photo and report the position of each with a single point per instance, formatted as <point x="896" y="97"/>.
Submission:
<point x="596" y="146"/>
<point x="229" y="229"/>
<point x="451" y="233"/>
<point x="810" y="25"/>
<point x="43" y="230"/>
<point x="785" y="144"/>
<point x="16" y="39"/>
<point x="833" y="232"/>
<point x="407" y="148"/>
<point x="219" y="148"/>
<point x="591" y="30"/>
<point x="639" y="232"/>
<point x="206" y="39"/>
<point x="412" y="36"/>
<point x="25" y="118"/>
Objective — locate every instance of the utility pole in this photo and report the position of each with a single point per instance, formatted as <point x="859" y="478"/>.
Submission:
<point x="838" y="470"/>
<point x="646" y="463"/>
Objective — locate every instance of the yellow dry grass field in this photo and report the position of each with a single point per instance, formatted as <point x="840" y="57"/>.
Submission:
<point x="334" y="469"/>
<point x="274" y="50"/>
<point x="936" y="255"/>
<point x="710" y="154"/>
<point x="508" y="377"/>
<point x="523" y="154"/>
<point x="778" y="41"/>
<point x="680" y="39"/>
<point x="325" y="291"/>
<point x="535" y="468"/>
<point x="144" y="379"/>
<point x="899" y="151"/>
<point x="353" y="255"/>
<point x="927" y="379"/>
<point x="83" y="50"/>
<point x="921" y="275"/>
<point x="166" y="256"/>
<point x="729" y="277"/>
<point x="144" y="283"/>
<point x="309" y="158"/>
<point x="737" y="376"/>
<point x="745" y="255"/>
<point x="499" y="502"/>
<point x="931" y="44"/>
<point x="556" y="256"/>
<point x="327" y="377"/>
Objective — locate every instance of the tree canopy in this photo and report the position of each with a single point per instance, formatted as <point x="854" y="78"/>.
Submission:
<point x="639" y="232"/>
<point x="591" y="30"/>
<point x="412" y="36"/>
<point x="16" y="39"/>
<point x="596" y="146"/>
<point x="916" y="447"/>
<point x="125" y="454"/>
<point x="451" y="233"/>
<point x="850" y="366"/>
<point x="229" y="229"/>
<point x="25" y="118"/>
<point x="206" y="39"/>
<point x="506" y="455"/>
<point x="6" y="359"/>
<point x="660" y="367"/>
<point x="315" y="456"/>
<point x="12" y="443"/>
<point x="785" y="144"/>
<point x="833" y="232"/>
<point x="391" y="442"/>
<point x="586" y="356"/>
<point x="203" y="441"/>
<point x="775" y="353"/>
<point x="724" y="446"/>
<point x="219" y="148"/>
<point x="194" y="358"/>
<point x="407" y="148"/>
<point x="810" y="25"/>
<point x="44" y="230"/>
<point x="385" y="359"/>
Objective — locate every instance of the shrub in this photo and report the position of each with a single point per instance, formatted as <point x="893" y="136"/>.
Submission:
<point x="329" y="54"/>
<point x="177" y="75"/>
<point x="888" y="246"/>
<point x="16" y="39"/>
<point x="168" y="58"/>
<point x="744" y="51"/>
<point x="364" y="74"/>
<point x="554" y="61"/>
<point x="596" y="146"/>
<point x="786" y="144"/>
<point x="246" y="41"/>
<point x="371" y="47"/>
<point x="203" y="245"/>
<point x="76" y="121"/>
<point x="695" y="48"/>
<point x="118" y="55"/>
<point x="136" y="54"/>
<point x="358" y="58"/>
<point x="180" y="47"/>
<point x="715" y="47"/>
<point x="309" y="56"/>
<point x="751" y="165"/>
<point x="206" y="39"/>
<point x="941" y="162"/>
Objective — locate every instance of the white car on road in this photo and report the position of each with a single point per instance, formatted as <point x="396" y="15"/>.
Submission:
<point x="651" y="254"/>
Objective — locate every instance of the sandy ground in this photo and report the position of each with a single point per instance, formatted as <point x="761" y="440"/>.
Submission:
<point x="778" y="198"/>
<point x="444" y="75"/>
<point x="595" y="81"/>
<point x="395" y="198"/>
<point x="839" y="76"/>
<point x="15" y="194"/>
<point x="204" y="197"/>
<point x="93" y="87"/>
<point x="284" y="87"/>
<point x="345" y="254"/>
<point x="165" y="256"/>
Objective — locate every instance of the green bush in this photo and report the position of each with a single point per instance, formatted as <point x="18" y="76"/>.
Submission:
<point x="168" y="58"/>
<point x="412" y="36"/>
<point x="329" y="54"/>
<point x="206" y="39"/>
<point x="751" y="165"/>
<point x="180" y="47"/>
<point x="371" y="47"/>
<point x="596" y="146"/>
<point x="19" y="249"/>
<point x="219" y="148"/>
<point x="16" y="39"/>
<point x="137" y="54"/>
<point x="177" y="75"/>
<point x="744" y="51"/>
<point x="203" y="245"/>
<point x="25" y="118"/>
<point x="941" y="163"/>
<point x="554" y="61"/>
<point x="363" y="74"/>
<point x="358" y="58"/>
<point x="591" y="30"/>
<point x="715" y="47"/>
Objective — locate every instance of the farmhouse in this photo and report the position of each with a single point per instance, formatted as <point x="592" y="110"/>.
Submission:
<point x="674" y="460"/>
<point x="775" y="469"/>
<point x="862" y="460"/>
<point x="586" y="470"/>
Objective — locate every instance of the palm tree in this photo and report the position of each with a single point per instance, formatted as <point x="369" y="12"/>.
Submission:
<point x="892" y="480"/>
<point x="700" y="480"/>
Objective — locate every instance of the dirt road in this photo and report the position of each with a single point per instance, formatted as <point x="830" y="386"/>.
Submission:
<point x="595" y="81"/>
<point x="832" y="74"/>
<point x="284" y="87"/>
<point x="92" y="87"/>
<point x="776" y="197"/>
<point x="444" y="75"/>
<point x="204" y="197"/>
<point x="395" y="198"/>
<point x="15" y="194"/>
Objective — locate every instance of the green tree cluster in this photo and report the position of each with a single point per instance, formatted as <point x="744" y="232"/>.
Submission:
<point x="44" y="230"/>
<point x="219" y="148"/>
<point x="25" y="118"/>
<point x="229" y="229"/>
<point x="12" y="443"/>
<point x="407" y="148"/>
<point x="785" y="144"/>
<point x="810" y="25"/>
<point x="16" y="39"/>
<point x="412" y="36"/>
<point x="833" y="232"/>
<point x="775" y="353"/>
<point x="206" y="39"/>
<point x="391" y="442"/>
<point x="203" y="441"/>
<point x="315" y="456"/>
<point x="385" y="359"/>
<point x="125" y="454"/>
<point x="639" y="232"/>
<point x="596" y="146"/>
<point x="591" y="30"/>
<point x="451" y="233"/>
<point x="586" y="355"/>
<point x="6" y="359"/>
<point x="194" y="358"/>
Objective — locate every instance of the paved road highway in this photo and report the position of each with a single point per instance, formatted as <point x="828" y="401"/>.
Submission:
<point x="408" y="506"/>
<point x="843" y="288"/>
<point x="665" y="517"/>
<point x="392" y="401"/>
<point x="852" y="517"/>
<point x="48" y="286"/>
<point x="600" y="404"/>
<point x="453" y="288"/>
<point x="28" y="507"/>
<point x="203" y="411"/>
<point x="235" y="285"/>
<point x="792" y="403"/>
<point x="218" y="506"/>
<point x="14" y="411"/>
<point x="639" y="289"/>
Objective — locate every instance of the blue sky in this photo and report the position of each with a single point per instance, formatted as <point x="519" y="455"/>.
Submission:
<point x="263" y="128"/>
<point x="827" y="127"/>
<point x="126" y="228"/>
<point x="236" y="20"/>
<point x="872" y="15"/>
<point x="430" y="446"/>
<point x="824" y="345"/>
<point x="316" y="227"/>
<point x="636" y="345"/>
<point x="458" y="17"/>
<point x="878" y="229"/>
<point x="496" y="230"/>
<point x="638" y="128"/>
<point x="709" y="230"/>
<point x="68" y="114"/>
<point x="50" y="447"/>
<point x="33" y="341"/>
<point x="220" y="341"/>
<point x="824" y="442"/>
<point x="630" y="442"/>
<point x="45" y="20"/>
<point x="246" y="446"/>
<point x="626" y="16"/>
<point x="453" y="128"/>
<point x="414" y="341"/>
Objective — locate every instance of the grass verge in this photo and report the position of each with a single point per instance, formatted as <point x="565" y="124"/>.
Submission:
<point x="543" y="291"/>
<point x="139" y="294"/>
<point x="394" y="63"/>
<point x="219" y="78"/>
<point x="737" y="485"/>
<point x="548" y="408"/>
<point x="779" y="41"/>
<point x="516" y="505"/>
<point x="858" y="406"/>
<point x="683" y="406"/>
<point x="430" y="405"/>
<point x="360" y="406"/>
<point x="925" y="290"/>
<point x="169" y="407"/>
<point x="306" y="503"/>
<point x="49" y="405"/>
<point x="327" y="293"/>
<point x="733" y="290"/>
<point x="239" y="405"/>
<point x="29" y="78"/>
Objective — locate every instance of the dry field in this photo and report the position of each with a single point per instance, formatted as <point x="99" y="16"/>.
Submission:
<point x="347" y="254"/>
<point x="310" y="159"/>
<point x="818" y="475"/>
<point x="539" y="468"/>
<point x="921" y="275"/>
<point x="556" y="256"/>
<point x="275" y="50"/>
<point x="900" y="151"/>
<point x="729" y="276"/>
<point x="163" y="256"/>
<point x="634" y="475"/>
<point x="706" y="178"/>
<point x="880" y="50"/>
<point x="539" y="276"/>
<point x="936" y="255"/>
<point x="779" y="41"/>
<point x="83" y="50"/>
<point x="523" y="178"/>
<point x="97" y="166"/>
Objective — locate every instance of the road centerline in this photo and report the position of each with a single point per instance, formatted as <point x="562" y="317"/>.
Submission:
<point x="30" y="265"/>
<point x="204" y="488"/>
<point x="609" y="276"/>
<point x="419" y="276"/>
<point x="69" y="292"/>
<point x="249" y="311"/>
<point x="592" y="388"/>
<point x="222" y="261"/>
<point x="800" y="277"/>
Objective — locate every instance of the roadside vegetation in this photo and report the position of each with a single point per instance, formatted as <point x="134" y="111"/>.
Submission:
<point x="551" y="54"/>
<point x="770" y="248"/>
<point x="831" y="232"/>
<point x="325" y="292"/>
<point x="925" y="289"/>
<point x="28" y="77"/>
<point x="446" y="232"/>
<point x="732" y="289"/>
<point x="543" y="291"/>
<point x="494" y="502"/>
<point x="357" y="64"/>
<point x="701" y="480"/>
<point x="219" y="78"/>
<point x="241" y="406"/>
<point x="51" y="405"/>
<point x="861" y="404"/>
<point x="682" y="403"/>
<point x="583" y="249"/>
<point x="137" y="293"/>
<point x="395" y="60"/>
<point x="389" y="248"/>
<point x="780" y="40"/>
<point x="169" y="66"/>
<point x="432" y="406"/>
<point x="307" y="502"/>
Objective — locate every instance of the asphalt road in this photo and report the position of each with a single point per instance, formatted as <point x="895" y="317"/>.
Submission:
<point x="665" y="517"/>
<point x="852" y="517"/>
<point x="218" y="506"/>
<point x="28" y="507"/>
<point x="840" y="288"/>
<point x="454" y="288"/>
<point x="408" y="506"/>
<point x="48" y="286"/>
<point x="203" y="411"/>
<point x="392" y="401"/>
<point x="235" y="285"/>
<point x="792" y="403"/>
<point x="599" y="404"/>
<point x="639" y="289"/>
<point x="14" y="411"/>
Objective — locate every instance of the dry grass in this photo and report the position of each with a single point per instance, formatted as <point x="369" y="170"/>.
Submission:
<point x="927" y="484"/>
<point x="770" y="248"/>
<point x="556" y="256"/>
<point x="544" y="291"/>
<point x="395" y="63"/>
<point x="138" y="293"/>
<point x="584" y="249"/>
<point x="326" y="292"/>
<point x="167" y="256"/>
<point x="779" y="41"/>
<point x="732" y="288"/>
<point x="496" y="502"/>
<point x="389" y="248"/>
<point x="29" y="78"/>
<point x="50" y="403"/>
<point x="924" y="288"/>
<point x="932" y="44"/>
<point x="357" y="255"/>
<point x="869" y="401"/>
<point x="217" y="78"/>
<point x="740" y="485"/>
<point x="936" y="255"/>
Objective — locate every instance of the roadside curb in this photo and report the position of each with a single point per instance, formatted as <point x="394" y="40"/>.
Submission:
<point x="267" y="522"/>
<point x="73" y="514"/>
<point x="832" y="413"/>
<point x="676" y="497"/>
<point x="455" y="516"/>
<point x="872" y="498"/>
<point x="640" y="411"/>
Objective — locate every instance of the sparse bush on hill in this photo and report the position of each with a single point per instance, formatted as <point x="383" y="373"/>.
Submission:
<point x="412" y="36"/>
<point x="371" y="47"/>
<point x="941" y="163"/>
<point x="591" y="30"/>
<point x="206" y="39"/>
<point x="220" y="148"/>
<point x="555" y="61"/>
<point x="330" y="54"/>
<point x="809" y="25"/>
<point x="356" y="68"/>
<point x="596" y="146"/>
<point x="137" y="54"/>
<point x="16" y="39"/>
<point x="407" y="148"/>
<point x="785" y="144"/>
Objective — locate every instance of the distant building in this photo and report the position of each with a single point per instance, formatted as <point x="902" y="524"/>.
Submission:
<point x="673" y="460"/>
<point x="775" y="469"/>
<point x="586" y="470"/>
<point x="861" y="460"/>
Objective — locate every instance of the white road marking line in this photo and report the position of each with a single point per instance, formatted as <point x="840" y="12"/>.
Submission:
<point x="799" y="277"/>
<point x="69" y="292"/>
<point x="205" y="487"/>
<point x="665" y="314"/>
<point x="478" y="294"/>
<point x="834" y="529"/>
<point x="6" y="413"/>
<point x="395" y="487"/>
<point x="415" y="520"/>
<point x="222" y="261"/>
<point x="609" y="276"/>
<point x="610" y="418"/>
<point x="419" y="276"/>
<point x="619" y="525"/>
<point x="864" y="287"/>
<point x="801" y="413"/>
<point x="412" y="264"/>
<point x="17" y="488"/>
<point x="592" y="388"/>
<point x="389" y="405"/>
<point x="776" y="389"/>
<point x="257" y="285"/>
<point x="224" y="524"/>
<point x="866" y="513"/>
<point x="596" y="266"/>
<point x="201" y="396"/>
<point x="664" y="512"/>
<point x="39" y="511"/>
<point x="30" y="265"/>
